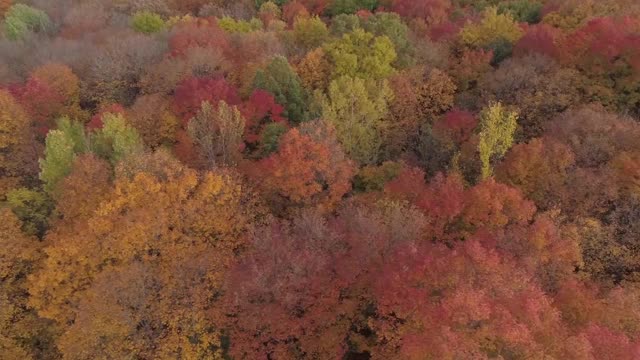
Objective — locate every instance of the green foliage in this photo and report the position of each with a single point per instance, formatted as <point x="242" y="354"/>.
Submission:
<point x="492" y="27"/>
<point x="497" y="127"/>
<point x="147" y="22"/>
<point x="310" y="32"/>
<point x="391" y="25"/>
<point x="20" y="19"/>
<point x="361" y="54"/>
<point x="74" y="131"/>
<point x="260" y="3"/>
<point x="61" y="147"/>
<point x="283" y="83"/>
<point x="373" y="178"/>
<point x="232" y="25"/>
<point x="501" y="49"/>
<point x="358" y="109"/>
<point x="270" y="138"/>
<point x="351" y="6"/>
<point x="58" y="158"/>
<point x="117" y="139"/>
<point x="344" y="23"/>
<point x="32" y="208"/>
<point x="523" y="10"/>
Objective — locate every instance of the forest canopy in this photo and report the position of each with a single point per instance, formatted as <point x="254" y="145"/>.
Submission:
<point x="320" y="179"/>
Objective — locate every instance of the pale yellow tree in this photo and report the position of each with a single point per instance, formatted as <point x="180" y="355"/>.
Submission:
<point x="497" y="128"/>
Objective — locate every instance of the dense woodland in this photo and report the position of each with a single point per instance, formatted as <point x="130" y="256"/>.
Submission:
<point x="320" y="179"/>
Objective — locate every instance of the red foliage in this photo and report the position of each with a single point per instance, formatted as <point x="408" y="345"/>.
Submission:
<point x="306" y="170"/>
<point x="41" y="101"/>
<point x="458" y="125"/>
<point x="540" y="38"/>
<point x="259" y="110"/>
<point x="610" y="345"/>
<point x="440" y="303"/>
<point x="604" y="41"/>
<point x="292" y="10"/>
<point x="315" y="7"/>
<point x="432" y="12"/>
<point x="192" y="92"/>
<point x="493" y="206"/>
<point x="204" y="34"/>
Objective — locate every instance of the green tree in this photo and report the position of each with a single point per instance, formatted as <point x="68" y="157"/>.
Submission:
<point x="116" y="139"/>
<point x="232" y="25"/>
<point x="344" y="23"/>
<point x="390" y="24"/>
<point x="147" y="22"/>
<point x="310" y="32"/>
<point x="351" y="6"/>
<point x="61" y="147"/>
<point x="283" y="83"/>
<point x="497" y="128"/>
<point x="358" y="109"/>
<point x="32" y="208"/>
<point x="361" y="54"/>
<point x="21" y="18"/>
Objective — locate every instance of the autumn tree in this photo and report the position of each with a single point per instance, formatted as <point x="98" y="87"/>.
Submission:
<point x="539" y="169"/>
<point x="314" y="70"/>
<point x="22" y="333"/>
<point x="196" y="62"/>
<point x="218" y="133"/>
<point x="537" y="86"/>
<point x="435" y="95"/>
<point x="497" y="128"/>
<point x="165" y="265"/>
<point x="309" y="168"/>
<point x="314" y="275"/>
<point x="17" y="155"/>
<point x="153" y="118"/>
<point x="262" y="114"/>
<point x="430" y="12"/>
<point x="116" y="68"/>
<point x="192" y="92"/>
<point x="358" y="110"/>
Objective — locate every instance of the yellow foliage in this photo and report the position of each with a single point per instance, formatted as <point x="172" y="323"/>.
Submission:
<point x="162" y="241"/>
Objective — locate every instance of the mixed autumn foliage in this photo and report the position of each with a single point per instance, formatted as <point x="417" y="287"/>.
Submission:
<point x="320" y="179"/>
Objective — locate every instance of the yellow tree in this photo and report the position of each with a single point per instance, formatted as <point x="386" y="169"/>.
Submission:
<point x="138" y="276"/>
<point x="497" y="128"/>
